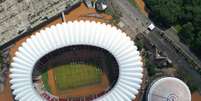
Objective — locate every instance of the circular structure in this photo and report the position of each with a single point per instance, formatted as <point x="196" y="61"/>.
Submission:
<point x="169" y="89"/>
<point x="78" y="33"/>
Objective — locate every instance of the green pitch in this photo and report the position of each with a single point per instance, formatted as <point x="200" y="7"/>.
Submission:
<point x="76" y="75"/>
<point x="45" y="81"/>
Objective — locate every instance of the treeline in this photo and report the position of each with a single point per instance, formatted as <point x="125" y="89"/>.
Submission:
<point x="185" y="13"/>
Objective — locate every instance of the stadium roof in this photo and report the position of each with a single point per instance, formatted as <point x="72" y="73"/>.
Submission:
<point x="169" y="89"/>
<point x="78" y="33"/>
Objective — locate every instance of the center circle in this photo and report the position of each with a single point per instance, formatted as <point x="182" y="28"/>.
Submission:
<point x="75" y="72"/>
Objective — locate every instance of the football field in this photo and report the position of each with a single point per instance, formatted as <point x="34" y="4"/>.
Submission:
<point x="71" y="76"/>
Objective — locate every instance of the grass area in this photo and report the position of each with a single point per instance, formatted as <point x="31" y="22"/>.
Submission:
<point x="178" y="27"/>
<point x="76" y="75"/>
<point x="45" y="81"/>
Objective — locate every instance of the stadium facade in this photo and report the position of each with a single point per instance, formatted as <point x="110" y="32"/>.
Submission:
<point x="78" y="33"/>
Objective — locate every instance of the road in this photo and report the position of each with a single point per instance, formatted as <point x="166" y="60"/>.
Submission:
<point x="132" y="17"/>
<point x="136" y="20"/>
<point x="172" y="35"/>
<point x="178" y="60"/>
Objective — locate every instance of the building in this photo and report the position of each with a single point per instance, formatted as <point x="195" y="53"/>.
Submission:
<point x="72" y="34"/>
<point x="19" y="16"/>
<point x="168" y="89"/>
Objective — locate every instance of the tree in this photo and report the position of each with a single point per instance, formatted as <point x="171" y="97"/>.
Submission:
<point x="196" y="14"/>
<point x="196" y="45"/>
<point x="186" y="13"/>
<point x="166" y="11"/>
<point x="186" y="34"/>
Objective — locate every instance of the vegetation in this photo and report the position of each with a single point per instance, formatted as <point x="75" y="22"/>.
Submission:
<point x="115" y="15"/>
<point x="76" y="75"/>
<point x="151" y="68"/>
<point x="188" y="79"/>
<point x="139" y="44"/>
<point x="185" y="13"/>
<point x="178" y="28"/>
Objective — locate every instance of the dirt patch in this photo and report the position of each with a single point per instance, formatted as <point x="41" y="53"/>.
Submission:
<point x="84" y="13"/>
<point x="196" y="96"/>
<point x="141" y="5"/>
<point x="6" y="95"/>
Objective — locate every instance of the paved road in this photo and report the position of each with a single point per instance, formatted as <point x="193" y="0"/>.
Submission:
<point x="130" y="16"/>
<point x="172" y="35"/>
<point x="178" y="60"/>
<point x="136" y="20"/>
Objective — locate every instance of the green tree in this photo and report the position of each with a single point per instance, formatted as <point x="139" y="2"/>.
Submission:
<point x="186" y="13"/>
<point x="186" y="33"/>
<point x="166" y="11"/>
<point x="196" y="45"/>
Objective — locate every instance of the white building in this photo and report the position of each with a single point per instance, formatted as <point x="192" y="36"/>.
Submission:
<point x="169" y="89"/>
<point x="75" y="33"/>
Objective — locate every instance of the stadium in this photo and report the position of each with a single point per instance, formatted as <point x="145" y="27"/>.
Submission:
<point x="77" y="61"/>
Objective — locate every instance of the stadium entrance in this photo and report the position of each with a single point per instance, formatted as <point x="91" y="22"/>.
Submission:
<point x="75" y="73"/>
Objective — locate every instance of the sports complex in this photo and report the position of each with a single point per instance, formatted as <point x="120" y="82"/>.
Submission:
<point x="86" y="50"/>
<point x="77" y="61"/>
<point x="77" y="66"/>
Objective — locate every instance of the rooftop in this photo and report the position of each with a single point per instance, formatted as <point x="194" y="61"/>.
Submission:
<point x="17" y="16"/>
<point x="169" y="89"/>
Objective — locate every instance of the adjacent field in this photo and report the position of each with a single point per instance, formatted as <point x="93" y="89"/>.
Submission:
<point x="76" y="75"/>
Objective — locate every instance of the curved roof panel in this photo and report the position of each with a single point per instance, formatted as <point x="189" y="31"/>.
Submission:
<point x="78" y="33"/>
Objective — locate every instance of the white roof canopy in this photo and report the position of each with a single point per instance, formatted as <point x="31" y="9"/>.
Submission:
<point x="76" y="33"/>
